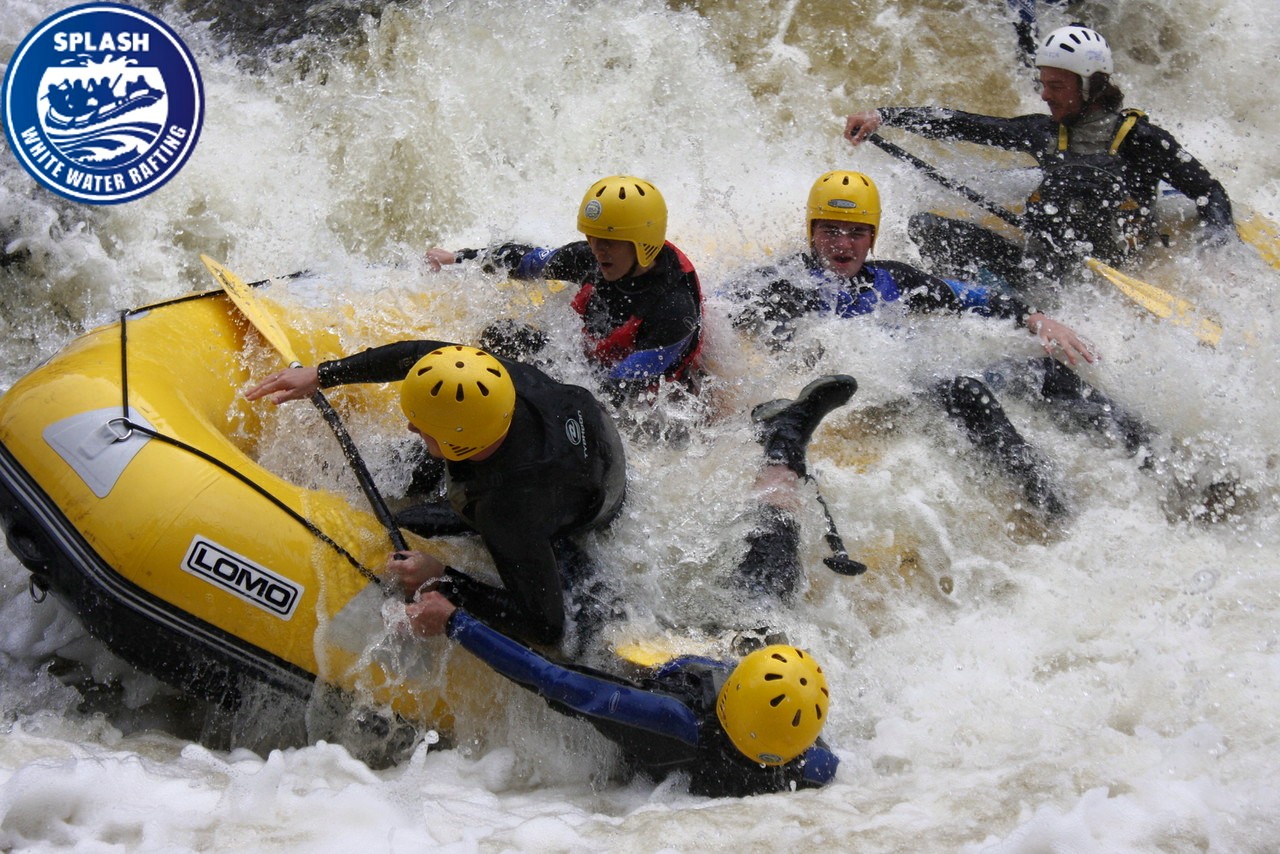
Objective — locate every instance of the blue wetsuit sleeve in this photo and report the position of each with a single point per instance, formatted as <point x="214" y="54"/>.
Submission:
<point x="590" y="696"/>
<point x="974" y="298"/>
<point x="532" y="264"/>
<point x="517" y="260"/>
<point x="651" y="364"/>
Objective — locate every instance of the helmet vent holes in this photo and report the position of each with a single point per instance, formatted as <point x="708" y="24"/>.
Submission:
<point x="770" y="677"/>
<point x="778" y="700"/>
<point x="484" y="390"/>
<point x="458" y="394"/>
<point x="435" y="389"/>
<point x="795" y="721"/>
<point x="818" y="711"/>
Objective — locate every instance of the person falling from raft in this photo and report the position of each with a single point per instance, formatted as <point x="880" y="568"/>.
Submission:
<point x="834" y="277"/>
<point x="1101" y="164"/>
<point x="737" y="730"/>
<point x="639" y="299"/>
<point x="529" y="463"/>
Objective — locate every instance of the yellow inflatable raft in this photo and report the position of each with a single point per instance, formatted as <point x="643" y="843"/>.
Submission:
<point x="129" y="490"/>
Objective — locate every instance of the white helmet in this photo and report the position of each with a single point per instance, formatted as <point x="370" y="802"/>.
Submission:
<point x="1077" y="49"/>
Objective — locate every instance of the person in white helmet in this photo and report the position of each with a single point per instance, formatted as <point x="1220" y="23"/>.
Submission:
<point x="1102" y="166"/>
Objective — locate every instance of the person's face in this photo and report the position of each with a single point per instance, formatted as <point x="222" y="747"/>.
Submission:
<point x="842" y="247"/>
<point x="433" y="447"/>
<point x="616" y="257"/>
<point x="1060" y="89"/>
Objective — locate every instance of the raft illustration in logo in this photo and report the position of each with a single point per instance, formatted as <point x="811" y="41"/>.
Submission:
<point x="103" y="103"/>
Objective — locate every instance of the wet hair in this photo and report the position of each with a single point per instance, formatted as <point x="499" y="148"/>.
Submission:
<point x="1103" y="93"/>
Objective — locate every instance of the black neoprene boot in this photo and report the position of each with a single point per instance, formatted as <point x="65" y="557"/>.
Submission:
<point x="787" y="425"/>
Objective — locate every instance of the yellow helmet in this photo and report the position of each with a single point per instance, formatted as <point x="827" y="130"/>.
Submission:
<point x="774" y="704"/>
<point x="846" y="197"/>
<point x="461" y="397"/>
<point x="625" y="208"/>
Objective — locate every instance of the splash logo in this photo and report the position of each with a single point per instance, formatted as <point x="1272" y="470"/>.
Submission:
<point x="242" y="577"/>
<point x="103" y="103"/>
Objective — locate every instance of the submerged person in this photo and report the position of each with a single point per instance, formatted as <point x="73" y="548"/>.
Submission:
<point x="640" y="299"/>
<point x="1102" y="166"/>
<point x="529" y="463"/>
<point x="834" y="277"/>
<point x="735" y="731"/>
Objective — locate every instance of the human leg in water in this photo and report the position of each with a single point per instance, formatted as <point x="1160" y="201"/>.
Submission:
<point x="771" y="566"/>
<point x="786" y="426"/>
<point x="1084" y="404"/>
<point x="970" y="402"/>
<point x="1073" y="401"/>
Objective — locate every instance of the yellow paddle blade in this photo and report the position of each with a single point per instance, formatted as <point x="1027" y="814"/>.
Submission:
<point x="1262" y="234"/>
<point x="242" y="295"/>
<point x="1160" y="302"/>
<point x="644" y="654"/>
<point x="654" y="651"/>
<point x="534" y="291"/>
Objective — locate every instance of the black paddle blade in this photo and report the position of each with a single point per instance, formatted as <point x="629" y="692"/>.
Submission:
<point x="844" y="565"/>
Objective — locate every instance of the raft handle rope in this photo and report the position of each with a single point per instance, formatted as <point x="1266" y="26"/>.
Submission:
<point x="306" y="523"/>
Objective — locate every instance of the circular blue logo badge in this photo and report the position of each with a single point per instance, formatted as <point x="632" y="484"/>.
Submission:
<point x="103" y="103"/>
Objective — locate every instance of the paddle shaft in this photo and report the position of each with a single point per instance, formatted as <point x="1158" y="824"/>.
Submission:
<point x="354" y="459"/>
<point x="950" y="183"/>
<point x="839" y="562"/>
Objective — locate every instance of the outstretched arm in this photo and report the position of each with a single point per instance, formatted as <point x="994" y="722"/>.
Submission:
<point x="592" y="697"/>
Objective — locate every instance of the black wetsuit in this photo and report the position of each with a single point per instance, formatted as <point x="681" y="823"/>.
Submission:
<point x="663" y="723"/>
<point x="1116" y="192"/>
<point x="772" y="298"/>
<point x="641" y="328"/>
<point x="561" y="470"/>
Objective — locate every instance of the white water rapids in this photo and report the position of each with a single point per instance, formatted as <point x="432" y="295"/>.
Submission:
<point x="1109" y="688"/>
